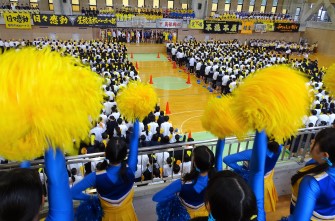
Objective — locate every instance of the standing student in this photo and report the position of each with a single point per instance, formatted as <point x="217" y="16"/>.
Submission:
<point x="313" y="187"/>
<point x="189" y="191"/>
<point x="272" y="154"/>
<point x="114" y="184"/>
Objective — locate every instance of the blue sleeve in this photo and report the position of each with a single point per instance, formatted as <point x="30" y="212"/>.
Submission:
<point x="132" y="158"/>
<point x="60" y="202"/>
<point x="168" y="192"/>
<point x="309" y="191"/>
<point x="232" y="160"/>
<point x="218" y="154"/>
<point x="77" y="190"/>
<point x="256" y="177"/>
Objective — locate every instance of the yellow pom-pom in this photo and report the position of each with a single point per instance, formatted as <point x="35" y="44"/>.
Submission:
<point x="329" y="79"/>
<point x="46" y="99"/>
<point x="274" y="99"/>
<point x="136" y="100"/>
<point x="220" y="120"/>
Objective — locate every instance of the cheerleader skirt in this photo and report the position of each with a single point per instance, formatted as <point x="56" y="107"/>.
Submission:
<point x="123" y="211"/>
<point x="270" y="193"/>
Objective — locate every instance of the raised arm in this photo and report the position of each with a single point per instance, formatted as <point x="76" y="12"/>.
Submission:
<point x="133" y="149"/>
<point x="59" y="196"/>
<point x="77" y="190"/>
<point x="309" y="191"/>
<point x="233" y="159"/>
<point x="168" y="192"/>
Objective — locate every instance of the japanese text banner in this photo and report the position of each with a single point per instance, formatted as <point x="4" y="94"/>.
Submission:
<point x="169" y="23"/>
<point x="17" y="20"/>
<point x="51" y="20"/>
<point x="220" y="27"/>
<point x="196" y="24"/>
<point x="286" y="27"/>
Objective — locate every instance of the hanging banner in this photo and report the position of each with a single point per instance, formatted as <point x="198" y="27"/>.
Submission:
<point x="221" y="27"/>
<point x="101" y="21"/>
<point x="269" y="26"/>
<point x="17" y="20"/>
<point x="81" y="20"/>
<point x="51" y="20"/>
<point x="260" y="28"/>
<point x="169" y="23"/>
<point x="286" y="27"/>
<point x="196" y="24"/>
<point x="247" y="27"/>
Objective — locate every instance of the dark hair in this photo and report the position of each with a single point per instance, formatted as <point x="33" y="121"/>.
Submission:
<point x="230" y="198"/>
<point x="73" y="172"/>
<point x="326" y="140"/>
<point x="273" y="146"/>
<point x="203" y="159"/>
<point x="20" y="194"/>
<point x="176" y="168"/>
<point x="116" y="152"/>
<point x="169" y="161"/>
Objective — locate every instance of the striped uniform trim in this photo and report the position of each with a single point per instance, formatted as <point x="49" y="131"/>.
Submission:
<point x="117" y="202"/>
<point x="189" y="205"/>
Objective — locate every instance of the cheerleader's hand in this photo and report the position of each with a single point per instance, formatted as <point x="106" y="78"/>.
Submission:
<point x="59" y="196"/>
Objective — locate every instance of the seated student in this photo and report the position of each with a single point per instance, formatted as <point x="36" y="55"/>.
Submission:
<point x="229" y="198"/>
<point x="74" y="179"/>
<point x="273" y="153"/>
<point x="21" y="191"/>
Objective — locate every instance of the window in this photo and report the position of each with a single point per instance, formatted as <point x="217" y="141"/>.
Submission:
<point x="93" y="4"/>
<point x="109" y="2"/>
<point x="75" y="6"/>
<point x="170" y="4"/>
<point x="252" y="3"/>
<point x="156" y="4"/>
<point x="275" y="3"/>
<point x="51" y="5"/>
<point x="239" y="5"/>
<point x="297" y="14"/>
<point x="125" y="3"/>
<point x="184" y="6"/>
<point x="251" y="8"/>
<point x="262" y="9"/>
<point x="284" y="11"/>
<point x="14" y="2"/>
<point x="263" y="3"/>
<point x="227" y="5"/>
<point x="140" y="3"/>
<point x="274" y="9"/>
<point x="214" y="7"/>
<point x="33" y="3"/>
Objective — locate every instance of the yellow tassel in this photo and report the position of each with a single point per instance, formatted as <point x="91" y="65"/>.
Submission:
<point x="46" y="99"/>
<point x="136" y="100"/>
<point x="220" y="120"/>
<point x="274" y="99"/>
<point x="329" y="79"/>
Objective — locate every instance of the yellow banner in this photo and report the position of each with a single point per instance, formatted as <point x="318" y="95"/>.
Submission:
<point x="20" y="20"/>
<point x="247" y="27"/>
<point x="269" y="26"/>
<point x="196" y="24"/>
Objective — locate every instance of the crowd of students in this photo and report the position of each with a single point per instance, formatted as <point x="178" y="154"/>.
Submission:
<point x="131" y="35"/>
<point x="252" y="16"/>
<point x="199" y="195"/>
<point x="7" y="7"/>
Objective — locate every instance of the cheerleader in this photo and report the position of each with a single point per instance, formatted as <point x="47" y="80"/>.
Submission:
<point x="184" y="198"/>
<point x="272" y="154"/>
<point x="313" y="187"/>
<point x="229" y="198"/>
<point x="114" y="184"/>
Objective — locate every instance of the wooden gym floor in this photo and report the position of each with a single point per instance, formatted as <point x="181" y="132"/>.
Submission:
<point x="186" y="101"/>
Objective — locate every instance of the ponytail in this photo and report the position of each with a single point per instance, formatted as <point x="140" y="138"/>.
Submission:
<point x="73" y="178"/>
<point x="123" y="172"/>
<point x="315" y="170"/>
